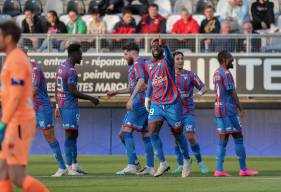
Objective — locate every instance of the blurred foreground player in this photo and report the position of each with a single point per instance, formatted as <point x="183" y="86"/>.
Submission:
<point x="44" y="115"/>
<point x="227" y="112"/>
<point x="165" y="105"/>
<point x="67" y="107"/>
<point x="18" y="124"/>
<point x="186" y="82"/>
<point x="136" y="116"/>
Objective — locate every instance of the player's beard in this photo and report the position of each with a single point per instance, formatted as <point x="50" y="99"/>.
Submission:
<point x="130" y="61"/>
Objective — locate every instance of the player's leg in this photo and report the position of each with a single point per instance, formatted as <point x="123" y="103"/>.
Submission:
<point x="179" y="159"/>
<point x="122" y="139"/>
<point x="17" y="174"/>
<point x="240" y="148"/>
<point x="220" y="153"/>
<point x="154" y="129"/>
<point x="45" y="123"/>
<point x="5" y="182"/>
<point x="16" y="147"/>
<point x="196" y="151"/>
<point x="149" y="168"/>
<point x="131" y="168"/>
<point x="173" y="116"/>
<point x="49" y="135"/>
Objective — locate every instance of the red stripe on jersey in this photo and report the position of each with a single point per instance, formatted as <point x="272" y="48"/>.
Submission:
<point x="223" y="93"/>
<point x="185" y="88"/>
<point x="174" y="87"/>
<point x="156" y="96"/>
<point x="161" y="74"/>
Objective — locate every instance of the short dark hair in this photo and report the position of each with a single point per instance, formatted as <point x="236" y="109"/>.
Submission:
<point x="222" y="56"/>
<point x="153" y="5"/>
<point x="28" y="9"/>
<point x="125" y="47"/>
<point x="94" y="12"/>
<point x="133" y="47"/>
<point x="178" y="53"/>
<point x="11" y="28"/>
<point x="127" y="10"/>
<point x="74" y="47"/>
<point x="209" y="7"/>
<point x="72" y="10"/>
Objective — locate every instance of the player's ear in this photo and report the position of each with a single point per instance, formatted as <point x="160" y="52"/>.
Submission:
<point x="8" y="38"/>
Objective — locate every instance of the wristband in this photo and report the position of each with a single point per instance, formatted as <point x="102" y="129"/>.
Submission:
<point x="2" y="127"/>
<point x="57" y="105"/>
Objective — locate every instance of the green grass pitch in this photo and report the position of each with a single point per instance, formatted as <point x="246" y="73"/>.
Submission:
<point x="102" y="177"/>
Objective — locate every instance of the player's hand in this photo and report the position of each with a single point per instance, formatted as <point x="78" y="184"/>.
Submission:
<point x="111" y="93"/>
<point x="129" y="104"/>
<point x="57" y="113"/>
<point x="161" y="41"/>
<point x="2" y="132"/>
<point x="147" y="103"/>
<point x="121" y="136"/>
<point x="242" y="114"/>
<point x="95" y="101"/>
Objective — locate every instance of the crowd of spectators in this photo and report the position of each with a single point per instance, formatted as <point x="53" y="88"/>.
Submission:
<point x="224" y="17"/>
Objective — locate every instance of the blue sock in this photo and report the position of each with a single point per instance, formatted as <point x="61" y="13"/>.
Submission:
<point x="68" y="150"/>
<point x="149" y="152"/>
<point x="240" y="152"/>
<point x="181" y="140"/>
<point x="220" y="154"/>
<point x="55" y="146"/>
<point x="196" y="151"/>
<point x="157" y="146"/>
<point x="130" y="147"/>
<point x="134" y="154"/>
<point x="178" y="155"/>
<point x="74" y="152"/>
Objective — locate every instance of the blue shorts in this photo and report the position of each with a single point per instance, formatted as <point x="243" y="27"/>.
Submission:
<point x="136" y="119"/>
<point x="44" y="119"/>
<point x="70" y="118"/>
<point x="189" y="123"/>
<point x="172" y="113"/>
<point x="228" y="124"/>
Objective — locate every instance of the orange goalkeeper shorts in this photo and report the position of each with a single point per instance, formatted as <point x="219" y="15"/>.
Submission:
<point x="17" y="142"/>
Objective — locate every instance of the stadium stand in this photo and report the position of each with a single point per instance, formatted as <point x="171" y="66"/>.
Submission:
<point x="56" y="5"/>
<point x="35" y="5"/>
<point x="110" y="21"/>
<point x="12" y="8"/>
<point x="79" y="6"/>
<point x="165" y="7"/>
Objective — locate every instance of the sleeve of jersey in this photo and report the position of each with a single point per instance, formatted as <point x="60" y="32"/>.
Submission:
<point x="17" y="86"/>
<point x="228" y="83"/>
<point x="72" y="79"/>
<point x="149" y="89"/>
<point x="169" y="56"/>
<point x="197" y="82"/>
<point x="139" y="69"/>
<point x="35" y="78"/>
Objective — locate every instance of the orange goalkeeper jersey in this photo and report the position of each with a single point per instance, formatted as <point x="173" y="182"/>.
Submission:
<point x="16" y="86"/>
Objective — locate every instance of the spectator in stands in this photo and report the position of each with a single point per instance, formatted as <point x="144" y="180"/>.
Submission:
<point x="31" y="24"/>
<point x="110" y="6"/>
<point x="236" y="12"/>
<point x="76" y="25"/>
<point x="255" y="43"/>
<point x="97" y="25"/>
<point x="209" y="25"/>
<point x="138" y="7"/>
<point x="263" y="14"/>
<point x="152" y="22"/>
<point x="186" y="24"/>
<point x="53" y="25"/>
<point x="223" y="43"/>
<point x="127" y="25"/>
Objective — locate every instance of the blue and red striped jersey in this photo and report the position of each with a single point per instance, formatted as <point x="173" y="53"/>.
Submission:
<point x="41" y="100"/>
<point x="186" y="82"/>
<point x="66" y="74"/>
<point x="161" y="85"/>
<point x="224" y="85"/>
<point x="135" y="72"/>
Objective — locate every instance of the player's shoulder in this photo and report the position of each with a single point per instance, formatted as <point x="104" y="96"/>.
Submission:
<point x="16" y="56"/>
